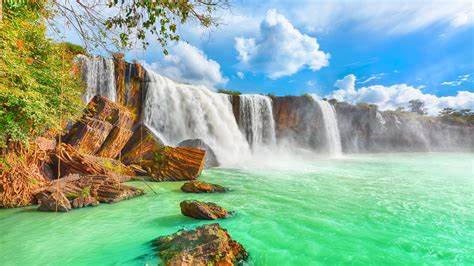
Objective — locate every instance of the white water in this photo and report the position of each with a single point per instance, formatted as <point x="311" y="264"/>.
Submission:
<point x="256" y="119"/>
<point x="333" y="139"/>
<point x="178" y="111"/>
<point x="99" y="75"/>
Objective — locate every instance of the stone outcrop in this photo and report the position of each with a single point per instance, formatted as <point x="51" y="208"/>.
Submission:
<point x="82" y="191"/>
<point x="211" y="159"/>
<point x="72" y="161"/>
<point x="202" y="210"/>
<point x="177" y="164"/>
<point x="202" y="187"/>
<point x="54" y="202"/>
<point x="206" y="245"/>
<point x="103" y="130"/>
<point x="142" y="146"/>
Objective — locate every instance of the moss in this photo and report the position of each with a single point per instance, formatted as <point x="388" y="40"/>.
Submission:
<point x="230" y="92"/>
<point x="86" y="191"/>
<point x="71" y="196"/>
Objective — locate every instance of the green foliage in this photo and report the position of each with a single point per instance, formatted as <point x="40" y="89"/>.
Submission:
<point x="86" y="191"/>
<point x="461" y="117"/>
<point x="307" y="95"/>
<point x="73" y="49"/>
<point x="229" y="92"/>
<point x="38" y="86"/>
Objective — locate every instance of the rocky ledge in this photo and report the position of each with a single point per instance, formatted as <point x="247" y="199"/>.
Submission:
<point x="202" y="187"/>
<point x="75" y="191"/>
<point x="203" y="210"/>
<point x="206" y="245"/>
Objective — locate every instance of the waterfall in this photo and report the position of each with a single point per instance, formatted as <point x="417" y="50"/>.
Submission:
<point x="333" y="139"/>
<point x="178" y="111"/>
<point x="99" y="75"/>
<point x="256" y="119"/>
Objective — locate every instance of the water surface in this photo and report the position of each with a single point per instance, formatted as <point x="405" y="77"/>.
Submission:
<point x="376" y="209"/>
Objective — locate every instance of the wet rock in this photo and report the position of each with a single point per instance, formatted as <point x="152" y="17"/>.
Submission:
<point x="141" y="147"/>
<point x="81" y="202"/>
<point x="202" y="187"/>
<point x="202" y="210"/>
<point x="206" y="245"/>
<point x="55" y="202"/>
<point x="211" y="159"/>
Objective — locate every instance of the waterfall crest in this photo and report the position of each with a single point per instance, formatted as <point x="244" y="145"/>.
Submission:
<point x="178" y="111"/>
<point x="256" y="119"/>
<point x="99" y="75"/>
<point x="333" y="139"/>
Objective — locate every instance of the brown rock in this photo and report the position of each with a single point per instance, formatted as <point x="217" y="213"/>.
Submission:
<point x="202" y="210"/>
<point x="202" y="187"/>
<point x="142" y="146"/>
<point x="206" y="245"/>
<point x="88" y="135"/>
<point x="73" y="162"/>
<point x="120" y="67"/>
<point x="55" y="202"/>
<point x="177" y="164"/>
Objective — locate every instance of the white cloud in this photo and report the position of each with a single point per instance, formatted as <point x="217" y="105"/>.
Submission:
<point x="187" y="63"/>
<point x="240" y="75"/>
<point x="373" y="77"/>
<point x="386" y="16"/>
<point x="310" y="83"/>
<point x="389" y="98"/>
<point x="460" y="80"/>
<point x="280" y="49"/>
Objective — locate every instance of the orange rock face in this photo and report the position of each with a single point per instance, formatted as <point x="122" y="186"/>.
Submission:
<point x="289" y="112"/>
<point x="177" y="164"/>
<point x="201" y="187"/>
<point x="206" y="245"/>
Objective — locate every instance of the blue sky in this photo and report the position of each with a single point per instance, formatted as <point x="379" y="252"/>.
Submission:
<point x="383" y="52"/>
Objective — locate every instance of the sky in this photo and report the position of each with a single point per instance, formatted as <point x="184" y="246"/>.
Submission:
<point x="382" y="52"/>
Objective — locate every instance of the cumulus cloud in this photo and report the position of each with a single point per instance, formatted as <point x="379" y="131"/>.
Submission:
<point x="398" y="95"/>
<point x="189" y="64"/>
<point x="280" y="49"/>
<point x="240" y="75"/>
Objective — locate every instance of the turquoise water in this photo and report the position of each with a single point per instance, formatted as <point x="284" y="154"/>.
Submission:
<point x="397" y="209"/>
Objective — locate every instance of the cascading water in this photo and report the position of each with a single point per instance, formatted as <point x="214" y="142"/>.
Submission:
<point x="179" y="111"/>
<point x="256" y="119"/>
<point x="333" y="139"/>
<point x="99" y="75"/>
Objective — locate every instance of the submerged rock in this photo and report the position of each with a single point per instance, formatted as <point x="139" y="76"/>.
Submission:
<point x="202" y="187"/>
<point x="206" y="245"/>
<point x="202" y="210"/>
<point x="54" y="202"/>
<point x="211" y="159"/>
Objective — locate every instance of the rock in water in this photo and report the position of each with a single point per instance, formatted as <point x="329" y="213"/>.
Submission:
<point x="211" y="159"/>
<point x="206" y="245"/>
<point x="202" y="187"/>
<point x="202" y="210"/>
<point x="56" y="201"/>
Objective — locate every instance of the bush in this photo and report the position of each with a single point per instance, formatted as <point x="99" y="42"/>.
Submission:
<point x="39" y="88"/>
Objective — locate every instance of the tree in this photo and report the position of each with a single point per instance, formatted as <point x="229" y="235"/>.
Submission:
<point x="447" y="111"/>
<point x="400" y="109"/>
<point x="39" y="87"/>
<point x="417" y="106"/>
<point x="122" y="24"/>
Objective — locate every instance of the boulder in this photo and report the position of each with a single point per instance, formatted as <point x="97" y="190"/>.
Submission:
<point x="176" y="164"/>
<point x="142" y="146"/>
<point x="73" y="162"/>
<point x="104" y="128"/>
<point x="88" y="135"/>
<point x="81" y="202"/>
<point x="54" y="202"/>
<point x="202" y="187"/>
<point x="83" y="191"/>
<point x="202" y="210"/>
<point x="206" y="245"/>
<point x="211" y="159"/>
